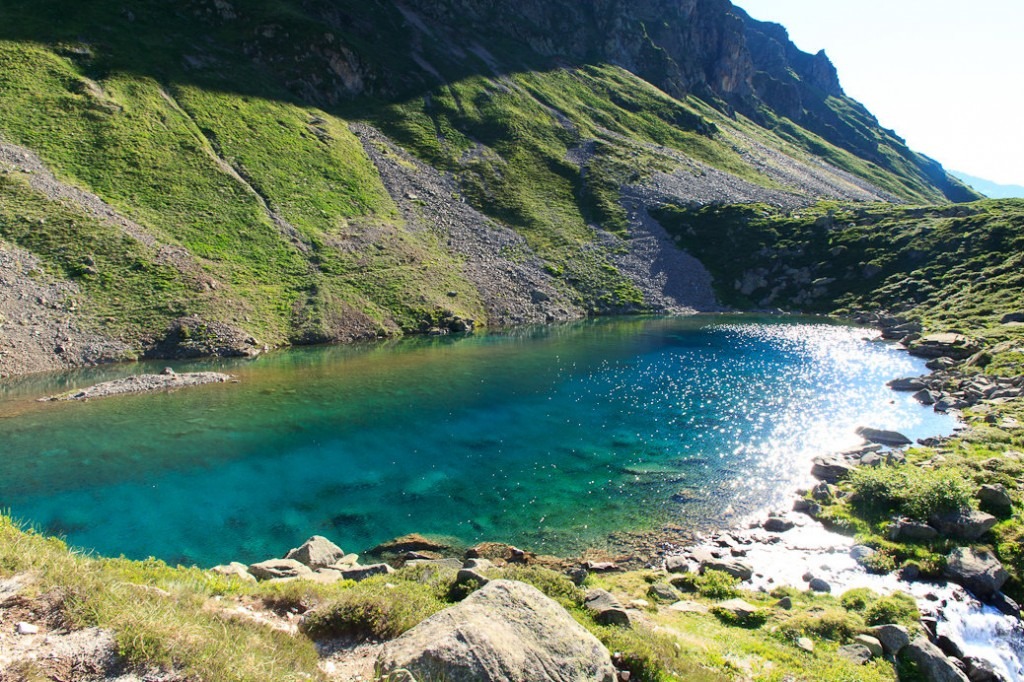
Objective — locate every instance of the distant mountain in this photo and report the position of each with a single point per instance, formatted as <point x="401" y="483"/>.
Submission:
<point x="991" y="189"/>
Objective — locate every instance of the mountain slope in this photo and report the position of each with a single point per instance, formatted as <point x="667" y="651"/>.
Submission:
<point x="224" y="176"/>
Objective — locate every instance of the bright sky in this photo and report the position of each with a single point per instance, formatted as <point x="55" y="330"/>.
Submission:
<point x="946" y="75"/>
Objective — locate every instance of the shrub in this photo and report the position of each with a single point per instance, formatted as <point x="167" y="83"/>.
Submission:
<point x="858" y="599"/>
<point x="746" y="620"/>
<point x="910" y="491"/>
<point x="897" y="607"/>
<point x="716" y="585"/>
<point x="835" y="624"/>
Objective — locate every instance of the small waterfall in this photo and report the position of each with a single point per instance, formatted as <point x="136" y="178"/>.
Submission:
<point x="984" y="632"/>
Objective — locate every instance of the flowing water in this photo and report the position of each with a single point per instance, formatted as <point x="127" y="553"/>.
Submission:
<point x="551" y="438"/>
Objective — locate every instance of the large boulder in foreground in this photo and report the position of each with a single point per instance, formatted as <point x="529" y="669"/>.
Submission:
<point x="504" y="631"/>
<point x="932" y="663"/>
<point x="976" y="569"/>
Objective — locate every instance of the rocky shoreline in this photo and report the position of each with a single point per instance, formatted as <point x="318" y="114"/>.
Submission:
<point x="142" y="383"/>
<point x="788" y="548"/>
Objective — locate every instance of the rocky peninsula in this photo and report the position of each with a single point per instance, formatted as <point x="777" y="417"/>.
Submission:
<point x="143" y="383"/>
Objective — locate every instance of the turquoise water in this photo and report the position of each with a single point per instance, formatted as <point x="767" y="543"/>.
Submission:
<point x="550" y="438"/>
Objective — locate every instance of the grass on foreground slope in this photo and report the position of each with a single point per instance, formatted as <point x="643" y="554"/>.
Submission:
<point x="186" y="620"/>
<point x="277" y="202"/>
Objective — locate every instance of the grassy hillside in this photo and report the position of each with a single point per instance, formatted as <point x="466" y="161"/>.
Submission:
<point x="223" y="132"/>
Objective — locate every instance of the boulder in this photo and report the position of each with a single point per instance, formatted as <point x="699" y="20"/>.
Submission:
<point x="235" y="570"/>
<point x="976" y="569"/>
<point x="776" y="524"/>
<point x="996" y="499"/>
<point x="873" y="645"/>
<point x="469" y="576"/>
<point x="940" y="364"/>
<point x="279" y="568"/>
<point x="932" y="663"/>
<point x="963" y="525"/>
<point x="1010" y="318"/>
<point x="606" y="609"/>
<point x="857" y="653"/>
<point x="956" y="346"/>
<point x="677" y="564"/>
<point x="663" y="592"/>
<point x="830" y="469"/>
<point x="883" y="437"/>
<point x="905" y="530"/>
<point x="911" y="384"/>
<point x="738" y="609"/>
<point x="861" y="553"/>
<point x="819" y="585"/>
<point x="892" y="637"/>
<point x="316" y="552"/>
<point x="736" y="569"/>
<point x="980" y="670"/>
<point x="358" y="573"/>
<point x="504" y="631"/>
<point x="925" y="397"/>
<point x="806" y="644"/>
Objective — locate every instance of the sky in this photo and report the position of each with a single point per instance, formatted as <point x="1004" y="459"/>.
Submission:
<point x="946" y="75"/>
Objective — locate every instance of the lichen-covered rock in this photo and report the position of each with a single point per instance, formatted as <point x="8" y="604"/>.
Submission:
<point x="504" y="631"/>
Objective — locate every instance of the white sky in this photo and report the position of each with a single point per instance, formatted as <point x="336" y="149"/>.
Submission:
<point x="946" y="75"/>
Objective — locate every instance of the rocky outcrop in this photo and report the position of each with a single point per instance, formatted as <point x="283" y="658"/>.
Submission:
<point x="504" y="631"/>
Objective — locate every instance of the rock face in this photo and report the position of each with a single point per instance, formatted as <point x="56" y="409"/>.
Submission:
<point x="977" y="570"/>
<point x="316" y="552"/>
<point x="504" y="631"/>
<point x="933" y="664"/>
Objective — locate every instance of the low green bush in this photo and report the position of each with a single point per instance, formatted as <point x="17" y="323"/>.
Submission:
<point x="858" y="599"/>
<point x="836" y="624"/>
<point x="910" y="491"/>
<point x="897" y="607"/>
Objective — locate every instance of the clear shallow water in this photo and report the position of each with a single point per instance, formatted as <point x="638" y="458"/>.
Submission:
<point x="550" y="438"/>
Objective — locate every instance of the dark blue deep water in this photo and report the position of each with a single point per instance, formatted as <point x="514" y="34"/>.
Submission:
<point x="551" y="438"/>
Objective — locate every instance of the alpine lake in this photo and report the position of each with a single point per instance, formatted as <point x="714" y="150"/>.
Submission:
<point x="551" y="438"/>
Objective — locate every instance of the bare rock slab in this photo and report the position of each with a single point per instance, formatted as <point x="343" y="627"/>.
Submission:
<point x="143" y="383"/>
<point x="316" y="552"/>
<point x="279" y="568"/>
<point x="504" y="631"/>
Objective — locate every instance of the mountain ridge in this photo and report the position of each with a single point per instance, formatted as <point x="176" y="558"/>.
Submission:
<point x="254" y="141"/>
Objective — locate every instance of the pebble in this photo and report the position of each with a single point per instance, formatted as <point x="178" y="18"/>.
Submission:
<point x="26" y="629"/>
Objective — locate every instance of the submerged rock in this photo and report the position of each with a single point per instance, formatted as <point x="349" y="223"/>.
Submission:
<point x="504" y="631"/>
